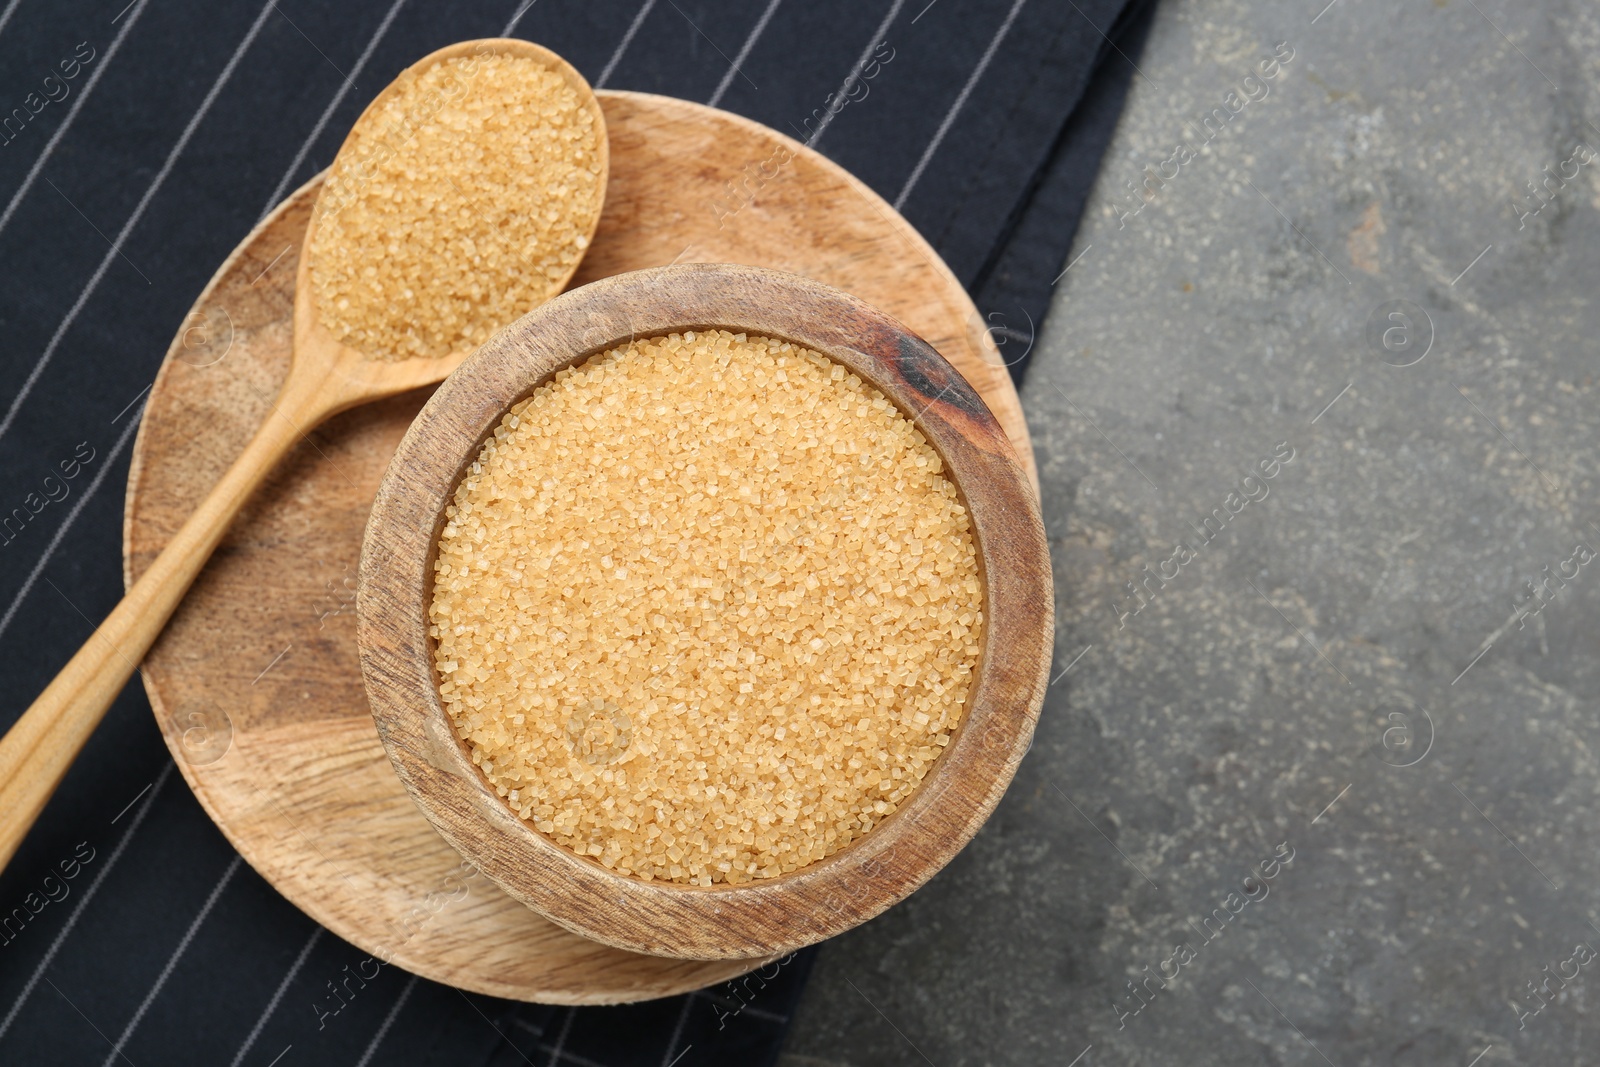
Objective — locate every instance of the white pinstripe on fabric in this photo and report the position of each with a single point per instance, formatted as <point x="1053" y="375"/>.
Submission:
<point x="133" y="219"/>
<point x="744" y="52"/>
<point x="627" y="39"/>
<point x="855" y="71"/>
<point x="333" y="105"/>
<point x="66" y="524"/>
<point x="388" y="1021"/>
<point x="83" y="901"/>
<point x="516" y="17"/>
<point x="955" y="108"/>
<point x="669" y="1056"/>
<point x="172" y="960"/>
<point x="72" y="112"/>
<point x="5" y="16"/>
<point x="556" y="1055"/>
<point x="277" y="997"/>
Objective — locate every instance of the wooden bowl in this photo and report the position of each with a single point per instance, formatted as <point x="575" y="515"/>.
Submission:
<point x="769" y="916"/>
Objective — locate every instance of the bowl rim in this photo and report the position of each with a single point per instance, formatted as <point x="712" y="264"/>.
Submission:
<point x="765" y="917"/>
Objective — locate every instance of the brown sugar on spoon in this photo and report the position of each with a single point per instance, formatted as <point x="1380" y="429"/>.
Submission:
<point x="707" y="608"/>
<point x="459" y="204"/>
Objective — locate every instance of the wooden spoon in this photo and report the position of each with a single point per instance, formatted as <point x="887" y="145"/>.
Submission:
<point x="325" y="377"/>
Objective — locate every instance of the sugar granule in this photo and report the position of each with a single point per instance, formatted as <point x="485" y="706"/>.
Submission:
<point x="458" y="206"/>
<point x="707" y="608"/>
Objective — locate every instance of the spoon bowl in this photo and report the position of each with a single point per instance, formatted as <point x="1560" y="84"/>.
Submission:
<point x="346" y="374"/>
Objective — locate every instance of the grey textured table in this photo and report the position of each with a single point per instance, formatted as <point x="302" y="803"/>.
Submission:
<point x="1380" y="660"/>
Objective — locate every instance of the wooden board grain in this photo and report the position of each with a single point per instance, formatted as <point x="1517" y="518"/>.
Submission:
<point x="257" y="684"/>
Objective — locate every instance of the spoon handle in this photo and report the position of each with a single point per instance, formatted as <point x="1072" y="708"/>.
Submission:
<point x="36" y="752"/>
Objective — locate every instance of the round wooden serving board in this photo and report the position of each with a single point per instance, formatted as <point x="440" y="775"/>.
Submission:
<point x="256" y="682"/>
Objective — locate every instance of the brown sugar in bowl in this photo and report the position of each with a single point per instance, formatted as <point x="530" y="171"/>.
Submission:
<point x="770" y="915"/>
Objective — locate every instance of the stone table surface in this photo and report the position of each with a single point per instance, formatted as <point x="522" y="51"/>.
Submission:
<point x="1315" y="414"/>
